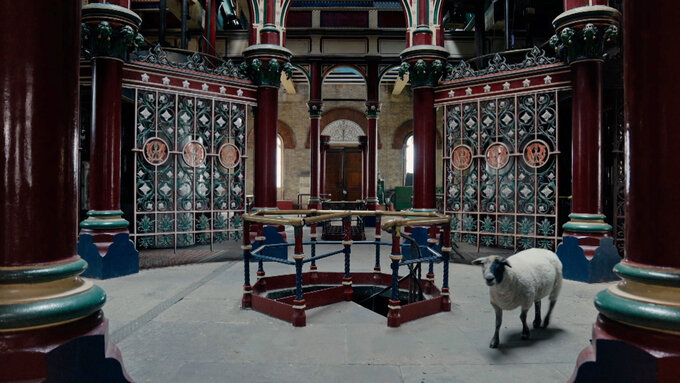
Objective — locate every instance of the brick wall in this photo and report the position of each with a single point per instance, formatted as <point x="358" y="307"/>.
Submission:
<point x="395" y="111"/>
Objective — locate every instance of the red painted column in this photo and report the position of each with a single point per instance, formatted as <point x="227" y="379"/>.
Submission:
<point x="315" y="112"/>
<point x="641" y="311"/>
<point x="582" y="36"/>
<point x="424" y="149"/>
<point x="265" y="63"/>
<point x="213" y="27"/>
<point x="266" y="118"/>
<point x="372" y="113"/>
<point x="322" y="171"/>
<point x="586" y="136"/>
<point x="363" y="144"/>
<point x="105" y="224"/>
<point x="106" y="134"/>
<point x="45" y="304"/>
<point x="39" y="107"/>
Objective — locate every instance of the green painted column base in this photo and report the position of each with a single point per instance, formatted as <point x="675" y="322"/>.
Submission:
<point x="587" y="223"/>
<point x="104" y="220"/>
<point x="646" y="297"/>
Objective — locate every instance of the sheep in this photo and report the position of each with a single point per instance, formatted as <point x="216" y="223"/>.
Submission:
<point x="520" y="280"/>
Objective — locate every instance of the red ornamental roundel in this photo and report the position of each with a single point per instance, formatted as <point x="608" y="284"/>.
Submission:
<point x="156" y="151"/>
<point x="229" y="156"/>
<point x="536" y="153"/>
<point x="194" y="154"/>
<point x="497" y="156"/>
<point x="461" y="157"/>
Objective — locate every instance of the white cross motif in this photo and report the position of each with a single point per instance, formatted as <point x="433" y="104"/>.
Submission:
<point x="487" y="88"/>
<point x="204" y="87"/>
<point x="547" y="79"/>
<point x="526" y="83"/>
<point x="239" y="92"/>
<point x="223" y="90"/>
<point x="468" y="91"/>
<point x="166" y="81"/>
<point x="451" y="94"/>
<point x="145" y="77"/>
<point x="185" y="84"/>
<point x="506" y="86"/>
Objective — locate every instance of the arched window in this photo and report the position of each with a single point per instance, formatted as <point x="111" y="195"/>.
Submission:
<point x="279" y="162"/>
<point x="408" y="160"/>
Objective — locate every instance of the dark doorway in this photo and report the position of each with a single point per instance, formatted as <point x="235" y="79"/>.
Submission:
<point x="344" y="174"/>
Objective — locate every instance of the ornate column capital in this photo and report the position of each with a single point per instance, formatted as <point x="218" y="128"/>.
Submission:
<point x="425" y="65"/>
<point x="372" y="109"/>
<point x="110" y="31"/>
<point x="315" y="109"/>
<point x="585" y="33"/>
<point x="265" y="62"/>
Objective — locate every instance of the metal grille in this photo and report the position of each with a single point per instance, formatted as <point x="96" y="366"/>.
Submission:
<point x="618" y="142"/>
<point x="189" y="169"/>
<point x="500" y="170"/>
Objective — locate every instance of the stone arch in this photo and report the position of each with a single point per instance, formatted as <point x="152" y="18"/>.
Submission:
<point x="343" y="131"/>
<point x="345" y="114"/>
<point x="404" y="130"/>
<point x="284" y="130"/>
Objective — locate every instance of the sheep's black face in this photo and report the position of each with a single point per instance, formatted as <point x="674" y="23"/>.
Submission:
<point x="497" y="270"/>
<point x="493" y="268"/>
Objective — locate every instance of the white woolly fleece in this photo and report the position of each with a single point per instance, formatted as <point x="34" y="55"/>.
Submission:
<point x="533" y="275"/>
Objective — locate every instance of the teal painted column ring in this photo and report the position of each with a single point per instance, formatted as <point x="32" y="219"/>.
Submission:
<point x="22" y="316"/>
<point x="638" y="313"/>
<point x="42" y="274"/>
<point x="647" y="276"/>
<point x="587" y="223"/>
<point x="104" y="219"/>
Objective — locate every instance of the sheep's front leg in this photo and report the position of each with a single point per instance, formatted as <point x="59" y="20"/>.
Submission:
<point x="547" y="316"/>
<point x="525" y="328"/>
<point x="499" y="320"/>
<point x="537" y="314"/>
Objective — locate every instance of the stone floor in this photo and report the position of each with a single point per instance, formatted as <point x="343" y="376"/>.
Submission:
<point x="185" y="324"/>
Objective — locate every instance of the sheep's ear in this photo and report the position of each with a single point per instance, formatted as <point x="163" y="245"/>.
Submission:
<point x="479" y="261"/>
<point x="504" y="261"/>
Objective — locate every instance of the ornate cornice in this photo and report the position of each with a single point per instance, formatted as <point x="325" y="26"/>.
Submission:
<point x="422" y="73"/>
<point x="266" y="73"/>
<point x="195" y="62"/>
<point x="109" y="31"/>
<point x="585" y="33"/>
<point x="587" y="43"/>
<point x="424" y="64"/>
<point x="315" y="109"/>
<point x="264" y="64"/>
<point x="498" y="64"/>
<point x="372" y="109"/>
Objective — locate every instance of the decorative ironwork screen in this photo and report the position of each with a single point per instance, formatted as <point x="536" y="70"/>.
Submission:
<point x="501" y="173"/>
<point x="189" y="169"/>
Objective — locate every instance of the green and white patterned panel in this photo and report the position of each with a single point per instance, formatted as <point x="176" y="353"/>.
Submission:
<point x="190" y="173"/>
<point x="507" y="196"/>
